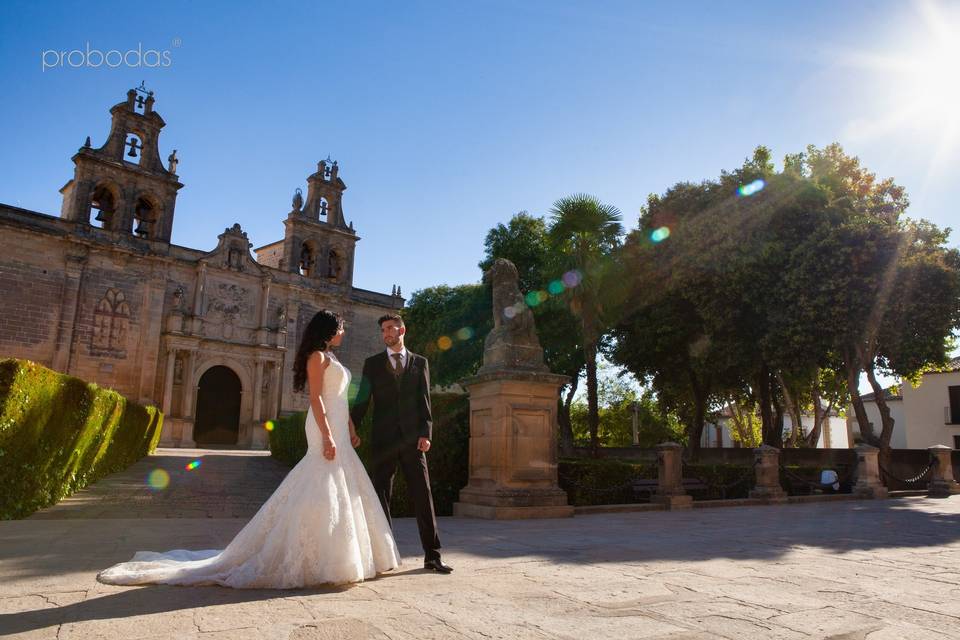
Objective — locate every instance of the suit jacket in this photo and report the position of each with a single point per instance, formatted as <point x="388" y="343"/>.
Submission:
<point x="401" y="407"/>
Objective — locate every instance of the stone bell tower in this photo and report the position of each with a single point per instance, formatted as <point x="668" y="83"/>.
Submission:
<point x="123" y="186"/>
<point x="318" y="244"/>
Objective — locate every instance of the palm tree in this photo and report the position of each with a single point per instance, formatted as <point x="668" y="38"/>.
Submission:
<point x="587" y="232"/>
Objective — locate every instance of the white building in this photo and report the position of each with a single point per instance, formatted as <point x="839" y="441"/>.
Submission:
<point x="925" y="415"/>
<point x="834" y="434"/>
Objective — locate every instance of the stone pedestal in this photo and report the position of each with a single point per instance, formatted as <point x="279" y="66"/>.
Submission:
<point x="670" y="491"/>
<point x="513" y="447"/>
<point x="868" y="473"/>
<point x="767" y="466"/>
<point x="942" y="482"/>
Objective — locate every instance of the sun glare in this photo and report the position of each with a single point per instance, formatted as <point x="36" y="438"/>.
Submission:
<point x="916" y="86"/>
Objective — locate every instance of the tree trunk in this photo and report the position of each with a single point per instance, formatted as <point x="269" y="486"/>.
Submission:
<point x="593" y="408"/>
<point x="886" y="432"/>
<point x="776" y="439"/>
<point x="695" y="428"/>
<point x="863" y="421"/>
<point x="763" y="398"/>
<point x="818" y="413"/>
<point x="563" y="418"/>
<point x="793" y="408"/>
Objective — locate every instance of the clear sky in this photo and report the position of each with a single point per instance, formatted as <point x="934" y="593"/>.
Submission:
<point x="449" y="117"/>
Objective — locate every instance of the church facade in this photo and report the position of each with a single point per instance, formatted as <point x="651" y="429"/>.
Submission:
<point x="208" y="336"/>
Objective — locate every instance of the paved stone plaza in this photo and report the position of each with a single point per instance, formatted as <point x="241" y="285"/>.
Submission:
<point x="853" y="570"/>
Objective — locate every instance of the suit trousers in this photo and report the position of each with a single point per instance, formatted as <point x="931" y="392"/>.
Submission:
<point x="414" y="465"/>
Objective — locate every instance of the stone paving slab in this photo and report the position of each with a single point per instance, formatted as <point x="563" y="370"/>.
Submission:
<point x="874" y="570"/>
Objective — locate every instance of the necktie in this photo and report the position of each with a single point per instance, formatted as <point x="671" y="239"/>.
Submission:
<point x="398" y="365"/>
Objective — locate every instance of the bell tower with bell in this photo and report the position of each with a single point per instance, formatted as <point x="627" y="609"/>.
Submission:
<point x="123" y="186"/>
<point x="318" y="243"/>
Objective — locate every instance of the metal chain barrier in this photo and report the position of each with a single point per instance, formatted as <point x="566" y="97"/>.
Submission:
<point x="914" y="479"/>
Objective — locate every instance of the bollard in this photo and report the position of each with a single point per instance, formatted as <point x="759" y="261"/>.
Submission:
<point x="767" y="462"/>
<point x="868" y="473"/>
<point x="670" y="491"/>
<point x="942" y="483"/>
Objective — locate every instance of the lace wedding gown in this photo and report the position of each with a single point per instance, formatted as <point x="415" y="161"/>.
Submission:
<point x="323" y="524"/>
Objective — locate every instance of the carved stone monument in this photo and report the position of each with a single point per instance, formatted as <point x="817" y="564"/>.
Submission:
<point x="513" y="416"/>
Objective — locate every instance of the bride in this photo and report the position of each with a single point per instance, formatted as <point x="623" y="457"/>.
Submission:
<point x="323" y="524"/>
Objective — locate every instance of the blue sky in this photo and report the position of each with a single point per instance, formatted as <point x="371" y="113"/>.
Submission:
<point x="449" y="117"/>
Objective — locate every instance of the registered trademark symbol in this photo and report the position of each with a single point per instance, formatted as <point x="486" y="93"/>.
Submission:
<point x="177" y="42"/>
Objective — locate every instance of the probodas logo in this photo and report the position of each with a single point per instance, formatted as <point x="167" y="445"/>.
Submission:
<point x="90" y="58"/>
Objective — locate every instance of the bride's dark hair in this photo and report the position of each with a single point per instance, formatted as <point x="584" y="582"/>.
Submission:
<point x="321" y="328"/>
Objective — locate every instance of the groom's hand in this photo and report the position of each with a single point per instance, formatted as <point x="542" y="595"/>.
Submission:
<point x="423" y="444"/>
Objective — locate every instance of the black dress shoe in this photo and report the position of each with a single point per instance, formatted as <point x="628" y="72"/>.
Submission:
<point x="437" y="565"/>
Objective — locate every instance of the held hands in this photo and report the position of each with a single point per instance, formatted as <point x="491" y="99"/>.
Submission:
<point x="354" y="438"/>
<point x="423" y="444"/>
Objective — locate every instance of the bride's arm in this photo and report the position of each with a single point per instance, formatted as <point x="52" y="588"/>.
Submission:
<point x="317" y="363"/>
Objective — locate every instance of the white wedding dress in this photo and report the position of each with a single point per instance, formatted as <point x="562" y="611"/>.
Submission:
<point x="323" y="524"/>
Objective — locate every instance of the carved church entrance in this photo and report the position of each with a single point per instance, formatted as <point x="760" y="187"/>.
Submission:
<point x="218" y="407"/>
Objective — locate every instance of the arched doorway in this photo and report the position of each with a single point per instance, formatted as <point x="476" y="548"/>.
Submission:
<point x="218" y="407"/>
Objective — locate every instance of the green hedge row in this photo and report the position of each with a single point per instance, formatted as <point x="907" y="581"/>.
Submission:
<point x="609" y="480"/>
<point x="447" y="458"/>
<point x="58" y="434"/>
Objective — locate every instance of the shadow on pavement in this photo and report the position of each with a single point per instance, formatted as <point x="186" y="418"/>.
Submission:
<point x="141" y="601"/>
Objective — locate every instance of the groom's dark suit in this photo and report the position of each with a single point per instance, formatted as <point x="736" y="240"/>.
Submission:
<point x="401" y="415"/>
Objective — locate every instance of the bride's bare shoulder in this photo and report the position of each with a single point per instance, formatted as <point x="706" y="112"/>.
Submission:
<point x="318" y="360"/>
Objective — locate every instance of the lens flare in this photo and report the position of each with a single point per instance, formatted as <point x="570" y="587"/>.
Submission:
<point x="268" y="425"/>
<point x="158" y="479"/>
<point x="465" y="333"/>
<point x="532" y="298"/>
<point x="444" y="342"/>
<point x="510" y="312"/>
<point x="572" y="278"/>
<point x="661" y="234"/>
<point x="756" y="186"/>
<point x="192" y="465"/>
<point x="556" y="287"/>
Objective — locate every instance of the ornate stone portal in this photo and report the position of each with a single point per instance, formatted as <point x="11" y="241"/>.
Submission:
<point x="513" y="416"/>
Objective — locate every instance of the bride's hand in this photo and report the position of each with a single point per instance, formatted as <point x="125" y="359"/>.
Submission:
<point x="329" y="448"/>
<point x="354" y="439"/>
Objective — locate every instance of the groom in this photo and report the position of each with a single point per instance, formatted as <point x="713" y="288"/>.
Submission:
<point x="398" y="381"/>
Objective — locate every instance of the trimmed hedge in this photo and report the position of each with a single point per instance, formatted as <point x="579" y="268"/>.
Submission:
<point x="58" y="434"/>
<point x="448" y="457"/>
<point x="602" y="481"/>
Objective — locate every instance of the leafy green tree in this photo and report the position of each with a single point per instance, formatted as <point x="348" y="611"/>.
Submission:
<point x="448" y="325"/>
<point x="618" y="401"/>
<point x="587" y="232"/>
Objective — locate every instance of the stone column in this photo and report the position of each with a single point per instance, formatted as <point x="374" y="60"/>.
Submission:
<point x="258" y="439"/>
<point x="262" y="313"/>
<point x="276" y="395"/>
<point x="168" y="381"/>
<point x="942" y="482"/>
<point x="868" y="473"/>
<point x="513" y="416"/>
<point x="767" y="463"/>
<point x="198" y="292"/>
<point x="513" y="448"/>
<point x="189" y="391"/>
<point x="670" y="491"/>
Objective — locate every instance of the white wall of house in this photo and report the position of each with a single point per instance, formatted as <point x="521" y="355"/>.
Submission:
<point x="898" y="440"/>
<point x="833" y="436"/>
<point x="928" y="411"/>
